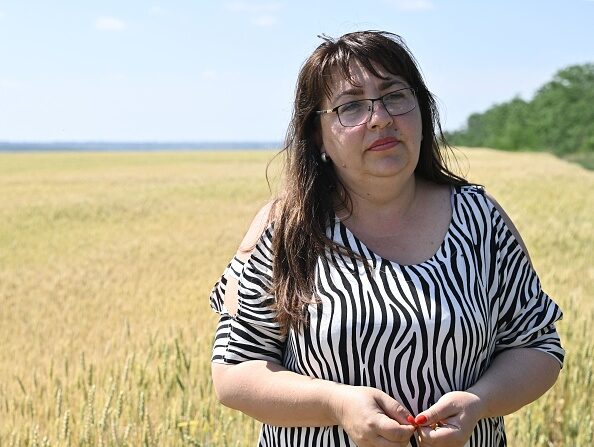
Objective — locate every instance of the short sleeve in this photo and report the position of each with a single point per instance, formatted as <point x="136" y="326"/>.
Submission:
<point x="254" y="332"/>
<point x="527" y="315"/>
<point x="217" y="296"/>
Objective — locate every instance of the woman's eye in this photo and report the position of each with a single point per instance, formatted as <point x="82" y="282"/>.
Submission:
<point x="352" y="107"/>
<point x="395" y="97"/>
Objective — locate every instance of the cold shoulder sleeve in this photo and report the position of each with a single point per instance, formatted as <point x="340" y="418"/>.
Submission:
<point x="253" y="333"/>
<point x="527" y="315"/>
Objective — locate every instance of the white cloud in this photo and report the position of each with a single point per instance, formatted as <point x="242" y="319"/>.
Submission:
<point x="117" y="77"/>
<point x="10" y="84"/>
<point x="105" y="23"/>
<point x="253" y="7"/>
<point x="155" y="10"/>
<point x="261" y="14"/>
<point x="265" y="21"/>
<point x="209" y="75"/>
<point x="411" y="5"/>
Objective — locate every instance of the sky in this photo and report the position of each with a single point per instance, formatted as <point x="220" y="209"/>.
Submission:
<point x="225" y="71"/>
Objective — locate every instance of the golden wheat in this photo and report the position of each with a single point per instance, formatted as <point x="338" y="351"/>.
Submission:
<point x="107" y="260"/>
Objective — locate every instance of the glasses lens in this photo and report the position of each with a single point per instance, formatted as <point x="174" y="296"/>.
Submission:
<point x="399" y="102"/>
<point x="354" y="113"/>
<point x="359" y="112"/>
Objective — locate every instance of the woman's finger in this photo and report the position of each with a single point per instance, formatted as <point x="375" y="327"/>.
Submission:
<point x="393" y="431"/>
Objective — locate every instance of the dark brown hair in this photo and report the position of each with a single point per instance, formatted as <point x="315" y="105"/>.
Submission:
<point x="307" y="203"/>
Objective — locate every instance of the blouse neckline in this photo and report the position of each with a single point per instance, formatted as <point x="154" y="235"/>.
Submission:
<point x="380" y="259"/>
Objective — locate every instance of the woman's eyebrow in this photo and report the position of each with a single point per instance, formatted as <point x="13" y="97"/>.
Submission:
<point x="353" y="91"/>
<point x="391" y="83"/>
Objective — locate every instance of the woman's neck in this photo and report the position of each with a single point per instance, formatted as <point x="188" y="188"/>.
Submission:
<point x="386" y="206"/>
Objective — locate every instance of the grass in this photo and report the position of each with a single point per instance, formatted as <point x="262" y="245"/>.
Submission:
<point x="107" y="260"/>
<point x="584" y="159"/>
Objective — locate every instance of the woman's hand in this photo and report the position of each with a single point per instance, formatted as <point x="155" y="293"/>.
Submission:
<point x="450" y="422"/>
<point x="371" y="417"/>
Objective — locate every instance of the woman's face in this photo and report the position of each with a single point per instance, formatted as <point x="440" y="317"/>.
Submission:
<point x="385" y="146"/>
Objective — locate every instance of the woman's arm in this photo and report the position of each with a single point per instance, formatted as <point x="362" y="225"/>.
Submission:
<point x="273" y="395"/>
<point x="270" y="393"/>
<point x="515" y="378"/>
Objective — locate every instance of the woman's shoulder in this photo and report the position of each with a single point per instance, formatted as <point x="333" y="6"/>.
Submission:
<point x="260" y="227"/>
<point x="509" y="224"/>
<point x="471" y="189"/>
<point x="476" y="195"/>
<point x="479" y="196"/>
<point x="473" y="196"/>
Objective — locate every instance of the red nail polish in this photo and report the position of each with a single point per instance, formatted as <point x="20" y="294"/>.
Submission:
<point x="411" y="419"/>
<point x="421" y="419"/>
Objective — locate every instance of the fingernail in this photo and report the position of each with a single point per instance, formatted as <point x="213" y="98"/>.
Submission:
<point x="421" y="419"/>
<point x="411" y="419"/>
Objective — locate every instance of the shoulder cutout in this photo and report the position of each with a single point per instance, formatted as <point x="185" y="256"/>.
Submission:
<point x="257" y="227"/>
<point x="509" y="224"/>
<point x="248" y="244"/>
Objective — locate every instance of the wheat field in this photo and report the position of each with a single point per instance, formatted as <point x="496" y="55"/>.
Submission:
<point x="107" y="261"/>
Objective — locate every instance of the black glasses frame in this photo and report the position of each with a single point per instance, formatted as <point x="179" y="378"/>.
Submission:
<point x="373" y="100"/>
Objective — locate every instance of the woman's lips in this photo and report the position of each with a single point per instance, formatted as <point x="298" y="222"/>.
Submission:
<point x="382" y="144"/>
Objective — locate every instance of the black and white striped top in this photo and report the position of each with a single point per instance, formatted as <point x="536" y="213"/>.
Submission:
<point x="413" y="331"/>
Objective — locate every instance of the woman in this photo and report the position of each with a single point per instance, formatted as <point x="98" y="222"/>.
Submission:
<point x="381" y="300"/>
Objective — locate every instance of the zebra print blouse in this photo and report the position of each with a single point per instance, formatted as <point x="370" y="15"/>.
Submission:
<point x="414" y="331"/>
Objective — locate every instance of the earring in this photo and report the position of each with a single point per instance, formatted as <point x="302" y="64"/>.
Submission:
<point x="324" y="157"/>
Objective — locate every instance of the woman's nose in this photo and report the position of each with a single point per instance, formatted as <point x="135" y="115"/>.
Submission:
<point x="379" y="115"/>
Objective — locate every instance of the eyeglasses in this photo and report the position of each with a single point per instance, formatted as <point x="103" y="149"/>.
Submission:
<point x="359" y="112"/>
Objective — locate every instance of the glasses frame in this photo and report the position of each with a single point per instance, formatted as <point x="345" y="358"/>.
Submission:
<point x="373" y="100"/>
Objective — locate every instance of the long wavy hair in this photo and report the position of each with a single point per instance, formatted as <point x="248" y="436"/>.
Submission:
<point x="311" y="190"/>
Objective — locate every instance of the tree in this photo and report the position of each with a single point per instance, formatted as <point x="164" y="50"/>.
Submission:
<point x="564" y="109"/>
<point x="560" y="118"/>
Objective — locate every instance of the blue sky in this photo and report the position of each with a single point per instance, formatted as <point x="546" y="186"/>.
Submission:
<point x="225" y="70"/>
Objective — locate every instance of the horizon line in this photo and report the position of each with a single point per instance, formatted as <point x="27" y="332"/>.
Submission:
<point x="115" y="146"/>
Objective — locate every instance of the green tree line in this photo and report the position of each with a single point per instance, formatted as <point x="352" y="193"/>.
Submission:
<point x="559" y="118"/>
